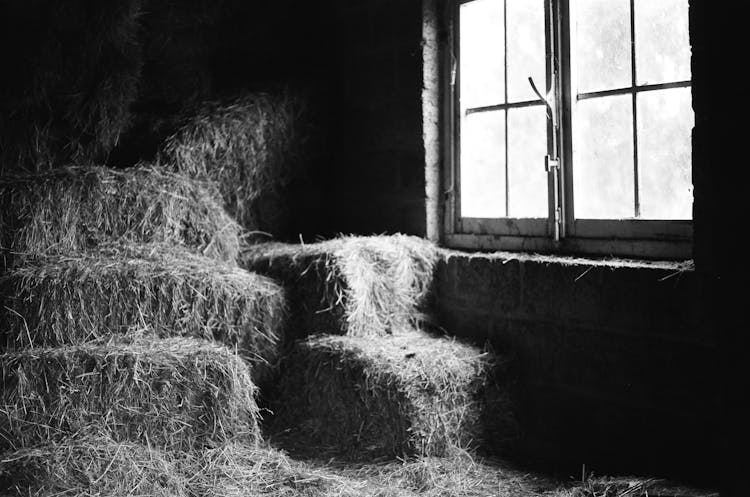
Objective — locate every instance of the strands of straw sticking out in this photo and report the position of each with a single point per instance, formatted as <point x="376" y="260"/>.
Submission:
<point x="176" y="394"/>
<point x="361" y="286"/>
<point x="169" y="291"/>
<point x="364" y="398"/>
<point x="76" y="69"/>
<point x="90" y="466"/>
<point x="249" y="145"/>
<point x="79" y="207"/>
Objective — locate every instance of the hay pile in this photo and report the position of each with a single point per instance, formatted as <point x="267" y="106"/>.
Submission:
<point x="76" y="298"/>
<point x="400" y="395"/>
<point x="79" y="207"/>
<point x="361" y="286"/>
<point x="90" y="466"/>
<point x="175" y="394"/>
<point x="250" y="145"/>
<point x="73" y="73"/>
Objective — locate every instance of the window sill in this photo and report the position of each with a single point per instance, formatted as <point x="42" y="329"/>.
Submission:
<point x="645" y="250"/>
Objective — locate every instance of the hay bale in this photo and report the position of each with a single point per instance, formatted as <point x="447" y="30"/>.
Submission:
<point x="361" y="286"/>
<point x="90" y="466"/>
<point x="75" y="73"/>
<point x="361" y="398"/>
<point x="73" y="299"/>
<point x="79" y="207"/>
<point x="175" y="394"/>
<point x="250" y="145"/>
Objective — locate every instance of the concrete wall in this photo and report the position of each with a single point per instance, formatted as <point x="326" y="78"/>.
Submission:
<point x="614" y="369"/>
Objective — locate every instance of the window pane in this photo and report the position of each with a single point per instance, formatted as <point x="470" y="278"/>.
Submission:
<point x="483" y="165"/>
<point x="665" y="121"/>
<point x="526" y="52"/>
<point x="662" y="44"/>
<point x="482" y="53"/>
<point x="603" y="152"/>
<point x="527" y="146"/>
<point x="603" y="45"/>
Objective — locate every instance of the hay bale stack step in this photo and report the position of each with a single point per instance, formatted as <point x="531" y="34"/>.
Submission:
<point x="360" y="286"/>
<point x="166" y="291"/>
<point x="75" y="208"/>
<point x="91" y="465"/>
<point x="251" y="145"/>
<point x="363" y="398"/>
<point x="175" y="394"/>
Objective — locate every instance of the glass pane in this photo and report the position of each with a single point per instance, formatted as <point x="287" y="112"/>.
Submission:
<point x="482" y="53"/>
<point x="662" y="44"/>
<point x="527" y="146"/>
<point x="483" y="165"/>
<point x="526" y="52"/>
<point x="603" y="152"/>
<point x="603" y="45"/>
<point x="665" y="121"/>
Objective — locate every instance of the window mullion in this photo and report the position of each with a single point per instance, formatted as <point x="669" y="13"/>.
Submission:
<point x="633" y="74"/>
<point x="565" y="35"/>
<point x="505" y="112"/>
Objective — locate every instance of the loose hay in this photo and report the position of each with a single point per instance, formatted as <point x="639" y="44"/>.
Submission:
<point x="361" y="286"/>
<point x="175" y="394"/>
<point x="400" y="395"/>
<point x="72" y="299"/>
<point x="90" y="466"/>
<point x="79" y="207"/>
<point x="249" y="145"/>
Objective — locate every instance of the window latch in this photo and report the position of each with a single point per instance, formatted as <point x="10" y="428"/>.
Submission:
<point x="551" y="163"/>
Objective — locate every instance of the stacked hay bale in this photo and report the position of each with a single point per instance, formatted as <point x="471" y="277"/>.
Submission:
<point x="75" y="208"/>
<point x="365" y="398"/>
<point x="368" y="383"/>
<point x="158" y="289"/>
<point x="176" y="394"/>
<point x="91" y="465"/>
<point x="251" y="146"/>
<point x="125" y="318"/>
<point x="362" y="286"/>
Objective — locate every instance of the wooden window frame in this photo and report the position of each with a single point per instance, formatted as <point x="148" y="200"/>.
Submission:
<point x="560" y="232"/>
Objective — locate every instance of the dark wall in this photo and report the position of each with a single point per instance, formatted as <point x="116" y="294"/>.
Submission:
<point x="375" y="183"/>
<point x="719" y="139"/>
<point x="615" y="368"/>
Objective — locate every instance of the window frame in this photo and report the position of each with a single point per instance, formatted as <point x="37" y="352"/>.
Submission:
<point x="641" y="238"/>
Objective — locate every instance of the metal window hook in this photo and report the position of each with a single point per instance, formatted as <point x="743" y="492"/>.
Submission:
<point x="549" y="101"/>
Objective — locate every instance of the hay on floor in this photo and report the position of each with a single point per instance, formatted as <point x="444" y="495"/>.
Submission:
<point x="249" y="145"/>
<point x="172" y="394"/>
<point x="79" y="207"/>
<point x="361" y="286"/>
<point x="90" y="466"/>
<point x="360" y="398"/>
<point x="73" y="299"/>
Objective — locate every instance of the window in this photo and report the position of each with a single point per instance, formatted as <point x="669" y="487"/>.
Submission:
<point x="571" y="127"/>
